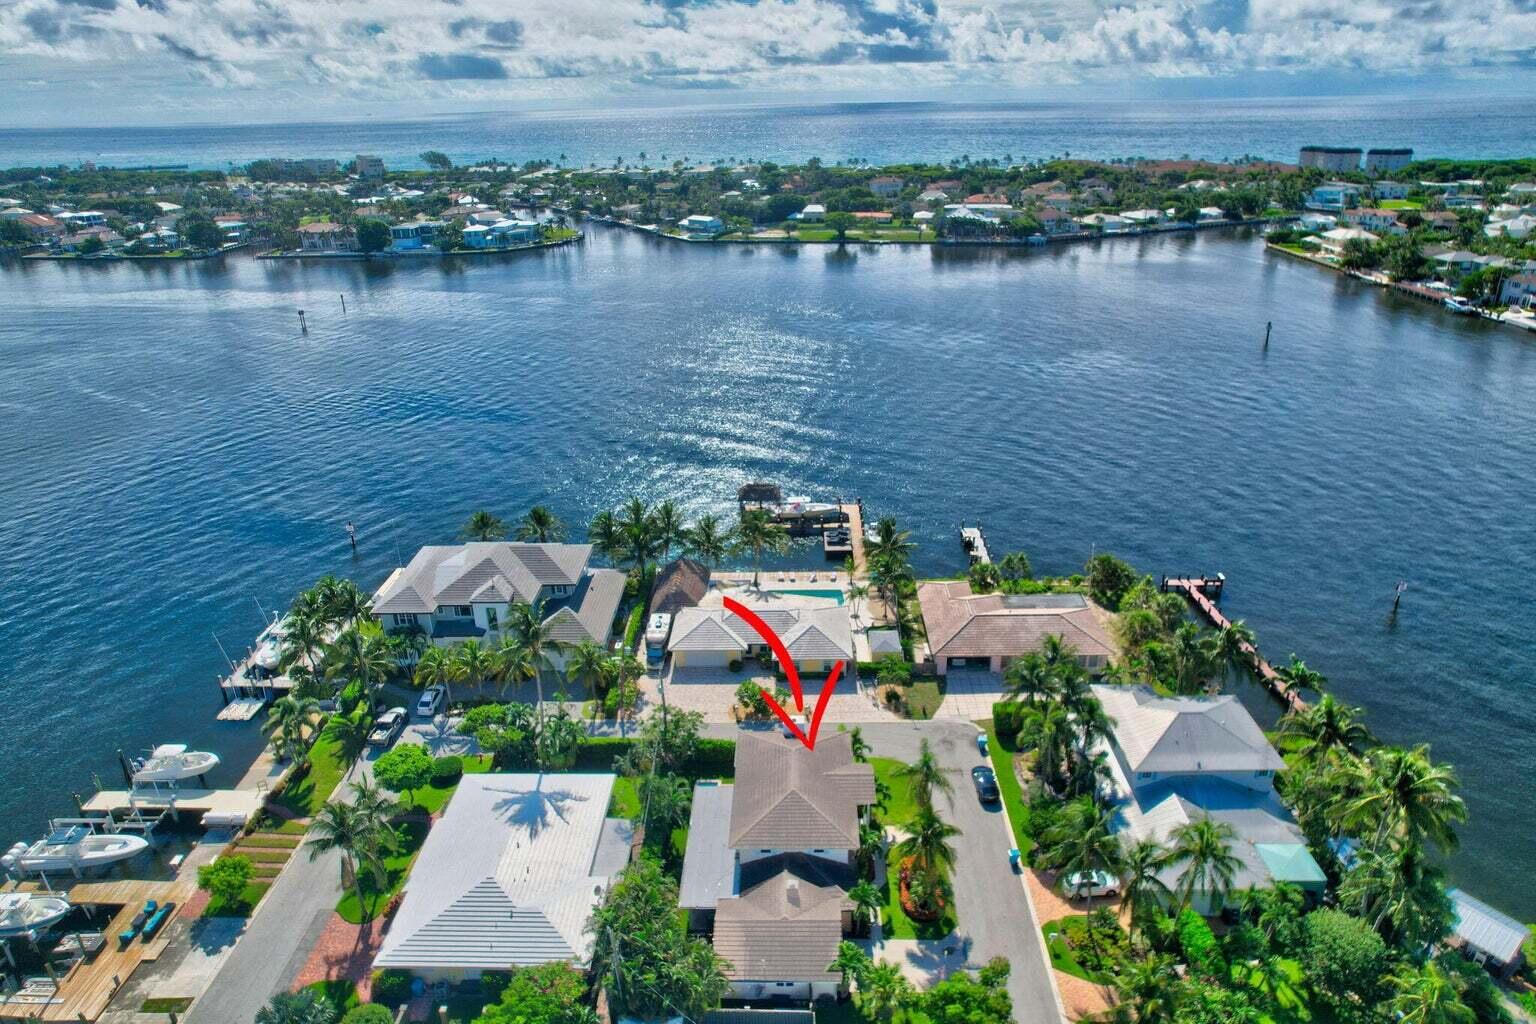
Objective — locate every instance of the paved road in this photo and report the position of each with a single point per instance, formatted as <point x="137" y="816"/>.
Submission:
<point x="990" y="899"/>
<point x="276" y="944"/>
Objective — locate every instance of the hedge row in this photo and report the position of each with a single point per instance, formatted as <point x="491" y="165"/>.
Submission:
<point x="711" y="758"/>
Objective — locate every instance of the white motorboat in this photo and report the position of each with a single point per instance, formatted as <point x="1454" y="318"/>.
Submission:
<point x="269" y="646"/>
<point x="1457" y="304"/>
<point x="76" y="848"/>
<point x="172" y="762"/>
<point x="24" y="913"/>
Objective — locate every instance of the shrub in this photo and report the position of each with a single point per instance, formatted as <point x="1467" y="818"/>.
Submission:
<point x="404" y="768"/>
<point x="225" y="879"/>
<point x="369" y="1013"/>
<point x="712" y="757"/>
<point x="893" y="671"/>
<point x="1199" y="944"/>
<point x="734" y="665"/>
<point x="493" y="984"/>
<point x="750" y="696"/>
<point x="1343" y="955"/>
<point x="392" y="986"/>
<point x="447" y="770"/>
<point x="1007" y="719"/>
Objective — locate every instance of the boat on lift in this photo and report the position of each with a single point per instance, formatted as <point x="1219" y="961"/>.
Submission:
<point x="172" y="762"/>
<point x="74" y="848"/>
<point x="269" y="646"/>
<point x="24" y="913"/>
<point x="801" y="508"/>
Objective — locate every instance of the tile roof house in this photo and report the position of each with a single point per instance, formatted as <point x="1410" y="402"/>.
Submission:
<point x="1174" y="761"/>
<point x="770" y="861"/>
<point x="991" y="630"/>
<point x="816" y="632"/>
<point x="508" y="877"/>
<point x="457" y="592"/>
<point x="326" y="236"/>
<point x="681" y="583"/>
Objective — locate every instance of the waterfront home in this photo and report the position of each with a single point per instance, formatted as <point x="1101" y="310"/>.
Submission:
<point x="501" y="235"/>
<point x="413" y="236"/>
<point x="1313" y="221"/>
<point x="701" y="225"/>
<point x="41" y="226"/>
<point x="326" y="236"/>
<point x="769" y="863"/>
<point x="815" y="630"/>
<point x="813" y="212"/>
<point x="923" y="218"/>
<point x="160" y="239"/>
<point x="968" y="630"/>
<point x="1209" y="214"/>
<point x="681" y="583"/>
<point x="1143" y="217"/>
<point x="486" y="217"/>
<point x="1108" y="223"/>
<point x="1333" y="197"/>
<point x="1519" y="289"/>
<point x="106" y="236"/>
<point x="1381" y="222"/>
<point x="1333" y="242"/>
<point x="1056" y="222"/>
<point x="1174" y="761"/>
<point x="508" y="877"/>
<point x="457" y="592"/>
<point x="83" y="218"/>
<point x="234" y="227"/>
<point x="885" y="186"/>
<point x="1487" y="936"/>
<point x="872" y="216"/>
<point x="1452" y="264"/>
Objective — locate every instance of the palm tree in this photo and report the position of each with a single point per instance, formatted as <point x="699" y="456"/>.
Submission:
<point x="1204" y="847"/>
<point x="1400" y="894"/>
<point x="884" y="991"/>
<point x="637" y="530"/>
<point x="1030" y="679"/>
<point x="357" y="834"/>
<point x="302" y="1007"/>
<point x="852" y="964"/>
<point x="927" y="846"/>
<point x="1236" y="644"/>
<point x="471" y="663"/>
<point x="540" y="525"/>
<point x="437" y="667"/>
<point x="286" y="723"/>
<point x="867" y="901"/>
<point x="1192" y="656"/>
<point x="513" y="664"/>
<point x="1400" y="794"/>
<point x="757" y="533"/>
<point x="1428" y="995"/>
<point x="1091" y="845"/>
<point x="362" y="652"/>
<point x="1299" y="677"/>
<point x="1329" y="731"/>
<point x="926" y="775"/>
<point x="1141" y="883"/>
<point x="343" y="601"/>
<point x="304" y="638"/>
<point x="890" y="543"/>
<point x="483" y="525"/>
<point x="707" y="540"/>
<point x="858" y="745"/>
<point x="1150" y="988"/>
<point x="667" y="528"/>
<point x="350" y="733"/>
<point x="588" y="665"/>
<point x="525" y="623"/>
<point x="856" y="592"/>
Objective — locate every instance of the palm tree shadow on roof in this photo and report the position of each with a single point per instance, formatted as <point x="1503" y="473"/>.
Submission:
<point x="535" y="809"/>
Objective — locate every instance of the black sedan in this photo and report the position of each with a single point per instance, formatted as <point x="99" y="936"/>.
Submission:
<point x="986" y="784"/>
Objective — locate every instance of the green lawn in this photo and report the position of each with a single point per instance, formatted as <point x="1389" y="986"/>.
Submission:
<point x="896" y="923"/>
<point x="626" y="799"/>
<point x="922" y="698"/>
<point x="815" y="235"/>
<point x="431" y="798"/>
<point x="1008" y="785"/>
<point x="164" y="1004"/>
<point x="477" y="764"/>
<point x="900" y="804"/>
<point x="397" y="865"/>
<point x="1400" y="204"/>
<point x="304" y="798"/>
<point x="1061" y="954"/>
<point x="278" y="840"/>
<point x="251" y="895"/>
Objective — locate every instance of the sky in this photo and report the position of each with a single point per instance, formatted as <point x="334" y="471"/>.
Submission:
<point x="169" y="61"/>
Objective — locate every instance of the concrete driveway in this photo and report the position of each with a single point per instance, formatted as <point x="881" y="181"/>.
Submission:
<point x="969" y="694"/>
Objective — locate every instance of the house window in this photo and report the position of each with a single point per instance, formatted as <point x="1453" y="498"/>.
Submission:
<point x="490" y="618"/>
<point x="1261" y="775"/>
<point x="463" y="611"/>
<point x="403" y="619"/>
<point x="1145" y="775"/>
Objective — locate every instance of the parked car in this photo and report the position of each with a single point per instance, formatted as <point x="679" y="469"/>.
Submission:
<point x="985" y="781"/>
<point x="387" y="727"/>
<point x="432" y="701"/>
<point x="1090" y="884"/>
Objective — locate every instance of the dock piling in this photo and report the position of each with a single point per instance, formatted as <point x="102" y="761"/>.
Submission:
<point x="1268" y="326"/>
<point x="304" y="327"/>
<point x="343" y="303"/>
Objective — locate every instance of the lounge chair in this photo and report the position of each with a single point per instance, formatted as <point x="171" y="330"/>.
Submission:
<point x="832" y="577"/>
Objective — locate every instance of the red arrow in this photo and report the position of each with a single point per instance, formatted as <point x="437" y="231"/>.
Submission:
<point x="782" y="653"/>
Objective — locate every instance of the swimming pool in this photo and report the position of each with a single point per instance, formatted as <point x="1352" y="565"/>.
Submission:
<point x="836" y="595"/>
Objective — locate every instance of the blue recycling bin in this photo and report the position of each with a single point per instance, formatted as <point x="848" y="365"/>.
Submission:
<point x="1013" y="859"/>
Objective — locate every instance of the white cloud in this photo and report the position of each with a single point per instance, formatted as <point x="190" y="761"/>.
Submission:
<point x="372" y="49"/>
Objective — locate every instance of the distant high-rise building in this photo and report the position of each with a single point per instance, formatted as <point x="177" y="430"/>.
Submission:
<point x="369" y="167"/>
<point x="1330" y="158"/>
<point x="1387" y="159"/>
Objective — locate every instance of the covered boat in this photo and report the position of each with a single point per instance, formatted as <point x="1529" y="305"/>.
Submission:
<point x="77" y="848"/>
<point x="23" y="913"/>
<point x="172" y="762"/>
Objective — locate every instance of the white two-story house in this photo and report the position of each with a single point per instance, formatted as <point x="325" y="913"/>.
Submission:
<point x="457" y="592"/>
<point x="770" y="861"/>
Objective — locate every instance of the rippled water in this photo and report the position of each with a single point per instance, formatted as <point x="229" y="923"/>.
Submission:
<point x="882" y="133"/>
<point x="176" y="452"/>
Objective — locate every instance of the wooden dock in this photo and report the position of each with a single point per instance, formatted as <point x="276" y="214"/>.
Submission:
<point x="853" y="516"/>
<point x="974" y="541"/>
<point x="86" y="989"/>
<point x="191" y="801"/>
<point x="1200" y="590"/>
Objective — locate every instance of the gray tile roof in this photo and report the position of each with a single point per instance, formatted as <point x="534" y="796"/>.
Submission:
<point x="1185" y="734"/>
<point x="506" y="876"/>
<point x="587" y="614"/>
<point x="490" y="571"/>
<point x="787" y="922"/>
<point x="709" y="863"/>
<point x="790" y="798"/>
<point x="961" y="624"/>
<point x="810" y="631"/>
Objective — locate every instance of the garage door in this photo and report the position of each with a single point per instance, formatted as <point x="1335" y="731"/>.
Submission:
<point x="701" y="659"/>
